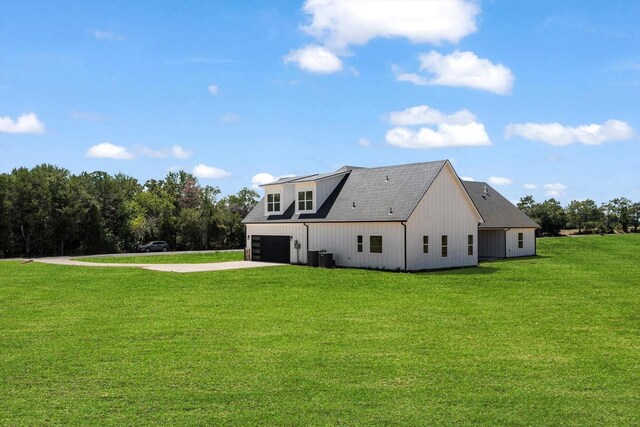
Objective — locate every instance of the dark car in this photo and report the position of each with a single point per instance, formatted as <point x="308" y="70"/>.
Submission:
<point x="156" y="246"/>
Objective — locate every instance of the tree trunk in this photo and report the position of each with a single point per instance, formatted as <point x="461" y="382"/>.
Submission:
<point x="27" y="241"/>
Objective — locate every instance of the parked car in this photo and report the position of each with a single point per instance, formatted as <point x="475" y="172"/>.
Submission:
<point x="156" y="246"/>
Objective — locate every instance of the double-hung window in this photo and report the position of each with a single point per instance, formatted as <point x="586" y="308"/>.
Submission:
<point x="520" y="240"/>
<point x="425" y="244"/>
<point x="470" y="244"/>
<point x="273" y="202"/>
<point x="445" y="246"/>
<point x="359" y="243"/>
<point x="375" y="244"/>
<point x="305" y="200"/>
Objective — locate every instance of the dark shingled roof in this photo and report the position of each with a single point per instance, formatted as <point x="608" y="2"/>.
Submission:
<point x="496" y="211"/>
<point x="375" y="191"/>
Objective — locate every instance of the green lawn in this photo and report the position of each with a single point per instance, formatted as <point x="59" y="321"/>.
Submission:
<point x="199" y="258"/>
<point x="552" y="340"/>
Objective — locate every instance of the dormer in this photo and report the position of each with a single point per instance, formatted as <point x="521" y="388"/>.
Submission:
<point x="306" y="200"/>
<point x="274" y="200"/>
<point x="311" y="192"/>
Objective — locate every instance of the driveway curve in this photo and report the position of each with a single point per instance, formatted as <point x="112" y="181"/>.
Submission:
<point x="174" y="268"/>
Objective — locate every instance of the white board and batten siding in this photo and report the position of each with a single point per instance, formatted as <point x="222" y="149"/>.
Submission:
<point x="341" y="239"/>
<point x="528" y="242"/>
<point x="444" y="210"/>
<point x="296" y="231"/>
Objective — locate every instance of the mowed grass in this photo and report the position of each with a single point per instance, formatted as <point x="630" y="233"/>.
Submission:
<point x="197" y="258"/>
<point x="552" y="340"/>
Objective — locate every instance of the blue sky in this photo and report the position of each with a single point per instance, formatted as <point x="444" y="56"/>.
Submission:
<point x="540" y="98"/>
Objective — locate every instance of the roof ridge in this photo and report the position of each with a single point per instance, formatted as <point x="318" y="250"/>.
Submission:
<point x="407" y="164"/>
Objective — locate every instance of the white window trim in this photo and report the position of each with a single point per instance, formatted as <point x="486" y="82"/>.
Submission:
<point x="313" y="201"/>
<point x="280" y="203"/>
<point x="381" y="244"/>
<point x="444" y="247"/>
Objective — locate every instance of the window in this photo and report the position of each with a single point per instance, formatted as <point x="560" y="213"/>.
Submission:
<point x="305" y="200"/>
<point x="359" y="243"/>
<point x="425" y="244"/>
<point x="273" y="202"/>
<point x="470" y="244"/>
<point x="444" y="246"/>
<point x="375" y="244"/>
<point x="520" y="240"/>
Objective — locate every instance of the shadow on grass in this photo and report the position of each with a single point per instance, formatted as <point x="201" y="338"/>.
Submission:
<point x="467" y="271"/>
<point x="520" y="258"/>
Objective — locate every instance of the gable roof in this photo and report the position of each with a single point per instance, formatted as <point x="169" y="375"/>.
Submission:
<point x="496" y="211"/>
<point x="375" y="192"/>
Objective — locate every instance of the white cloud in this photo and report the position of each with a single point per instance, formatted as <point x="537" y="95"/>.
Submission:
<point x="499" y="180"/>
<point x="106" y="150"/>
<point x="230" y="118"/>
<point x="557" y="134"/>
<point x="176" y="151"/>
<point x="467" y="178"/>
<point x="25" y="123"/>
<point x="555" y="189"/>
<point x="472" y="134"/>
<point x="339" y="24"/>
<point x="401" y="76"/>
<point x="108" y="35"/>
<point x="425" y="115"/>
<point x="336" y="25"/>
<point x="204" y="171"/>
<point x="455" y="130"/>
<point x="213" y="89"/>
<point x="315" y="59"/>
<point x="530" y="186"/>
<point x="261" y="179"/>
<point x="459" y="69"/>
<point x="364" y="142"/>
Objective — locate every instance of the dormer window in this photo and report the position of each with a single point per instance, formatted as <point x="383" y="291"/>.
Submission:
<point x="273" y="202"/>
<point x="305" y="200"/>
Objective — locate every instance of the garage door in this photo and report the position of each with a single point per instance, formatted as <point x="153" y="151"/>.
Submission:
<point x="270" y="249"/>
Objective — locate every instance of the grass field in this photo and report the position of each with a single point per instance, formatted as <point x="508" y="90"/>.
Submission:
<point x="552" y="340"/>
<point x="197" y="258"/>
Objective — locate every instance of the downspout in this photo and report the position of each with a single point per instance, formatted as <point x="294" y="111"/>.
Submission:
<point x="404" y="224"/>
<point x="505" y="242"/>
<point x="306" y="257"/>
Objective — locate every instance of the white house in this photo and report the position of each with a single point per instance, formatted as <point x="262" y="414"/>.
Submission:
<point x="411" y="217"/>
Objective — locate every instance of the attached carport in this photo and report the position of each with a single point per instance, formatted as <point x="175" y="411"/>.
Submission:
<point x="271" y="249"/>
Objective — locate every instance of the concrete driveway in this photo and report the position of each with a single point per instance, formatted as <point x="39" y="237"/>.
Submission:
<point x="175" y="268"/>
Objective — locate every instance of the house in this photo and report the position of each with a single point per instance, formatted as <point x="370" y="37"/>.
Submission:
<point x="409" y="217"/>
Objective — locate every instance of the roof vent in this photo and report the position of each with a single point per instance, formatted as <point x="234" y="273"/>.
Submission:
<point x="386" y="178"/>
<point x="390" y="211"/>
<point x="354" y="205"/>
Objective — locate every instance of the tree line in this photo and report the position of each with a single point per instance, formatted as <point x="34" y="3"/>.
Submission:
<point x="617" y="215"/>
<point x="47" y="210"/>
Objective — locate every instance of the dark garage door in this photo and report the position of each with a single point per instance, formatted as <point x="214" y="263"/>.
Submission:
<point x="270" y="249"/>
